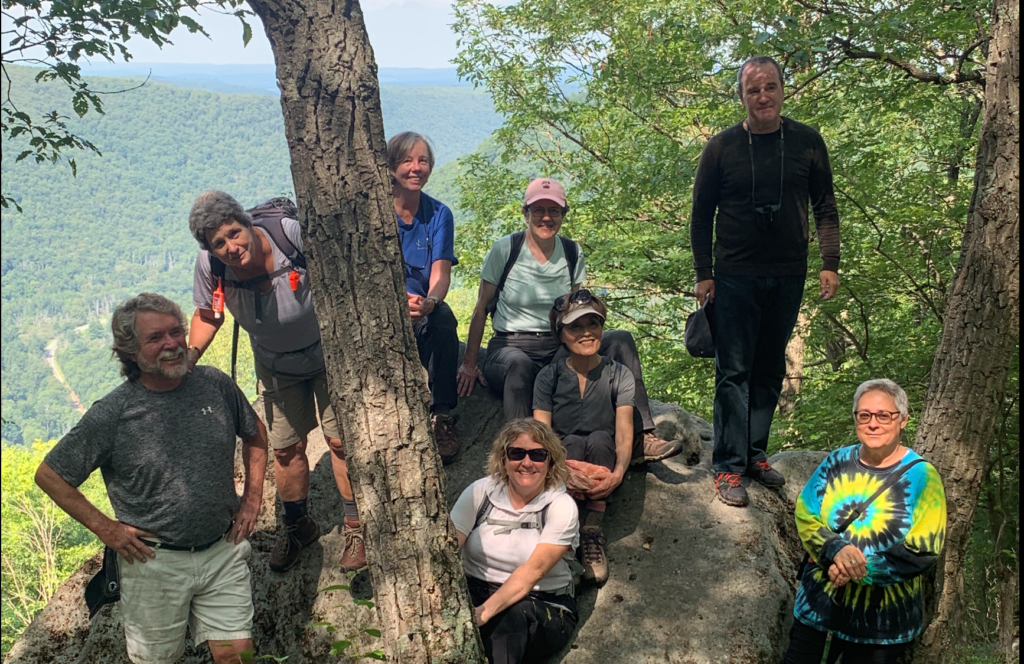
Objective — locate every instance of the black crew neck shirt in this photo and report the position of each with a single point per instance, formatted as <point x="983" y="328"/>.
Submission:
<point x="745" y="243"/>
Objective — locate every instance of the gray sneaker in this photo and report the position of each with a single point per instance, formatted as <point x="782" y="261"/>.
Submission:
<point x="762" y="471"/>
<point x="730" y="490"/>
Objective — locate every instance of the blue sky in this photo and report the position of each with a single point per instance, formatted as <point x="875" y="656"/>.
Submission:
<point x="404" y="33"/>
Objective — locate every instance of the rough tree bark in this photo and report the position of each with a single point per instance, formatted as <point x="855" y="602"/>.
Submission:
<point x="981" y="327"/>
<point x="332" y="113"/>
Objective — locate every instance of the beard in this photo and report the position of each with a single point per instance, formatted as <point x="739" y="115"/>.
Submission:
<point x="178" y="371"/>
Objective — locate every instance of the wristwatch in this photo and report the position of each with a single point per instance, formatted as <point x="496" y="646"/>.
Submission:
<point x="435" y="299"/>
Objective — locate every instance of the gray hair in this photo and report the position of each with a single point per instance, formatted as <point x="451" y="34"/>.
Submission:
<point x="886" y="386"/>
<point x="212" y="210"/>
<point x="126" y="338"/>
<point x="400" y="145"/>
<point x="760" y="61"/>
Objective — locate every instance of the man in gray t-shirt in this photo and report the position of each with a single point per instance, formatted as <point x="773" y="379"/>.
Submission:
<point x="164" y="441"/>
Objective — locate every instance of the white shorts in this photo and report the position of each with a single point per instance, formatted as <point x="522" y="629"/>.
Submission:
<point x="209" y="592"/>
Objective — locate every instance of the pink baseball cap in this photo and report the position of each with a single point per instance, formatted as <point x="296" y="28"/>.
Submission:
<point x="545" y="189"/>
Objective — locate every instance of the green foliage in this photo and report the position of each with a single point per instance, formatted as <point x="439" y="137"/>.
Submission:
<point x="56" y="36"/>
<point x="42" y="544"/>
<point x="619" y="98"/>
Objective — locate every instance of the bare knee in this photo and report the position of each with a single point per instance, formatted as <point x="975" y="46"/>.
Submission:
<point x="337" y="446"/>
<point x="286" y="455"/>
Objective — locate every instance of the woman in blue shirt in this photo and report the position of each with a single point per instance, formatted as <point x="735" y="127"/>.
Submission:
<point x="427" y="230"/>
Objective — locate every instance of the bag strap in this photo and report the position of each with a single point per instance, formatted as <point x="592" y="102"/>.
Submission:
<point x="862" y="507"/>
<point x="572" y="257"/>
<point x="516" y="245"/>
<point x="485" y="510"/>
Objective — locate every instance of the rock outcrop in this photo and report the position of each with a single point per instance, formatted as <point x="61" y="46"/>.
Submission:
<point x="692" y="580"/>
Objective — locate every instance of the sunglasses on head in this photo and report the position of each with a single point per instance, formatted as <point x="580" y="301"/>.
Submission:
<point x="582" y="296"/>
<point x="539" y="455"/>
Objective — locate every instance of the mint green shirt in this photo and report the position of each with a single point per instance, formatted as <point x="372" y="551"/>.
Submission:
<point x="531" y="288"/>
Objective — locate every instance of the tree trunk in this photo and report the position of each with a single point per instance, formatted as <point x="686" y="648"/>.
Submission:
<point x="794" y="366"/>
<point x="332" y="113"/>
<point x="981" y="327"/>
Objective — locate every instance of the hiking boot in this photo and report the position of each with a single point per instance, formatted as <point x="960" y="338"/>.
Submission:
<point x="730" y="490"/>
<point x="655" y="449"/>
<point x="297" y="536"/>
<point x="592" y="552"/>
<point x="354" y="557"/>
<point x="762" y="471"/>
<point x="447" y="439"/>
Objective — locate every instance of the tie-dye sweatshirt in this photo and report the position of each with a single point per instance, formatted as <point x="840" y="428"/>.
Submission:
<point x="901" y="534"/>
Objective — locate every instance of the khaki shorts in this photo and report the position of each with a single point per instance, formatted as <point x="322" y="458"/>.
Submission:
<point x="209" y="592"/>
<point x="291" y="410"/>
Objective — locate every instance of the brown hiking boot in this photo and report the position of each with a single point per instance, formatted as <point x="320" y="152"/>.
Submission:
<point x="730" y="490"/>
<point x="592" y="553"/>
<point x="762" y="471"/>
<point x="354" y="557"/>
<point x="654" y="449"/>
<point x="297" y="536"/>
<point x="447" y="439"/>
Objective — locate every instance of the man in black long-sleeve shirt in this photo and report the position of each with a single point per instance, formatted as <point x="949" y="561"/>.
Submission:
<point x="761" y="175"/>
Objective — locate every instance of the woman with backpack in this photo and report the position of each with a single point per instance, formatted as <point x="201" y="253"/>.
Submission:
<point x="522" y="275"/>
<point x="872" y="519"/>
<point x="587" y="400"/>
<point x="251" y="263"/>
<point x="517" y="530"/>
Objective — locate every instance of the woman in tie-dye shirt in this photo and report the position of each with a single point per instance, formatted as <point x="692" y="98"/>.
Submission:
<point x="865" y="584"/>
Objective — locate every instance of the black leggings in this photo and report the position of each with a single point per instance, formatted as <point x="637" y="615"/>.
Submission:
<point x="807" y="645"/>
<point x="529" y="631"/>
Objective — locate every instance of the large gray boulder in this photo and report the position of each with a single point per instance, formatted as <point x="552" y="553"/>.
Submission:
<point x="692" y="580"/>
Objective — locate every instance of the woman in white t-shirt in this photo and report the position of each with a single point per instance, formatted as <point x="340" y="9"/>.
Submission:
<point x="519" y="292"/>
<point x="517" y="530"/>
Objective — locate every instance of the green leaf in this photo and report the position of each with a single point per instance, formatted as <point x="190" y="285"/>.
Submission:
<point x="339" y="647"/>
<point x="246" y="32"/>
<point x="364" y="602"/>
<point x="330" y="588"/>
<point x="371" y="631"/>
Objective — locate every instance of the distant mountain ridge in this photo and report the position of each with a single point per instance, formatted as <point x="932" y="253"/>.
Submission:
<point x="259" y="79"/>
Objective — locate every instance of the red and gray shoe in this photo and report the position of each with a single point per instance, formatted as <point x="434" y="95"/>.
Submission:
<point x="762" y="471"/>
<point x="730" y="490"/>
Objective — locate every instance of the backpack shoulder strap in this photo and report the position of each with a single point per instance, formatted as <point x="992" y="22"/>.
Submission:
<point x="515" y="246"/>
<point x="889" y="482"/>
<point x="572" y="257"/>
<point x="217" y="266"/>
<point x="481" y="514"/>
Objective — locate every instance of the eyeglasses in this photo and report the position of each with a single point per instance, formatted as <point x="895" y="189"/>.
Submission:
<point x="765" y="213"/>
<point x="884" y="417"/>
<point x="538" y="455"/>
<point x="582" y="296"/>
<point x="540" y="213"/>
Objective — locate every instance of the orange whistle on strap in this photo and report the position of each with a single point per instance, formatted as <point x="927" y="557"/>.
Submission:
<point x="218" y="299"/>
<point x="293" y="280"/>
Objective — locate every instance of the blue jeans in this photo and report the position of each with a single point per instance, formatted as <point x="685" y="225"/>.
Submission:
<point x="755" y="317"/>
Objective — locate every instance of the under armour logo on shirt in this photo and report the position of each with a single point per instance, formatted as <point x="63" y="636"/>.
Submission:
<point x="207" y="410"/>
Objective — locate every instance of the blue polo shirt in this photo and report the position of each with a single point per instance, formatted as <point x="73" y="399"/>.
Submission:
<point x="430" y="237"/>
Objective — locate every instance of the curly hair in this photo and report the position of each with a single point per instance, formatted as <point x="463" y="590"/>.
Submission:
<point x="212" y="210"/>
<point x="541" y="434"/>
<point x="126" y="337"/>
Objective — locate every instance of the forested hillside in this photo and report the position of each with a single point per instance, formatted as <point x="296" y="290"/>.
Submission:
<point x="84" y="243"/>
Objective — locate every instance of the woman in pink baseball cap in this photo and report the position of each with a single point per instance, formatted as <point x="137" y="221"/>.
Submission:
<point x="522" y="275"/>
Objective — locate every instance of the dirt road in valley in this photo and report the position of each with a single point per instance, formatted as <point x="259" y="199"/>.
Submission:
<point x="51" y="359"/>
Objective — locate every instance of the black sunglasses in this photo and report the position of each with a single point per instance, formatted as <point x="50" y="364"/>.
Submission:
<point x="539" y="455"/>
<point x="582" y="296"/>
